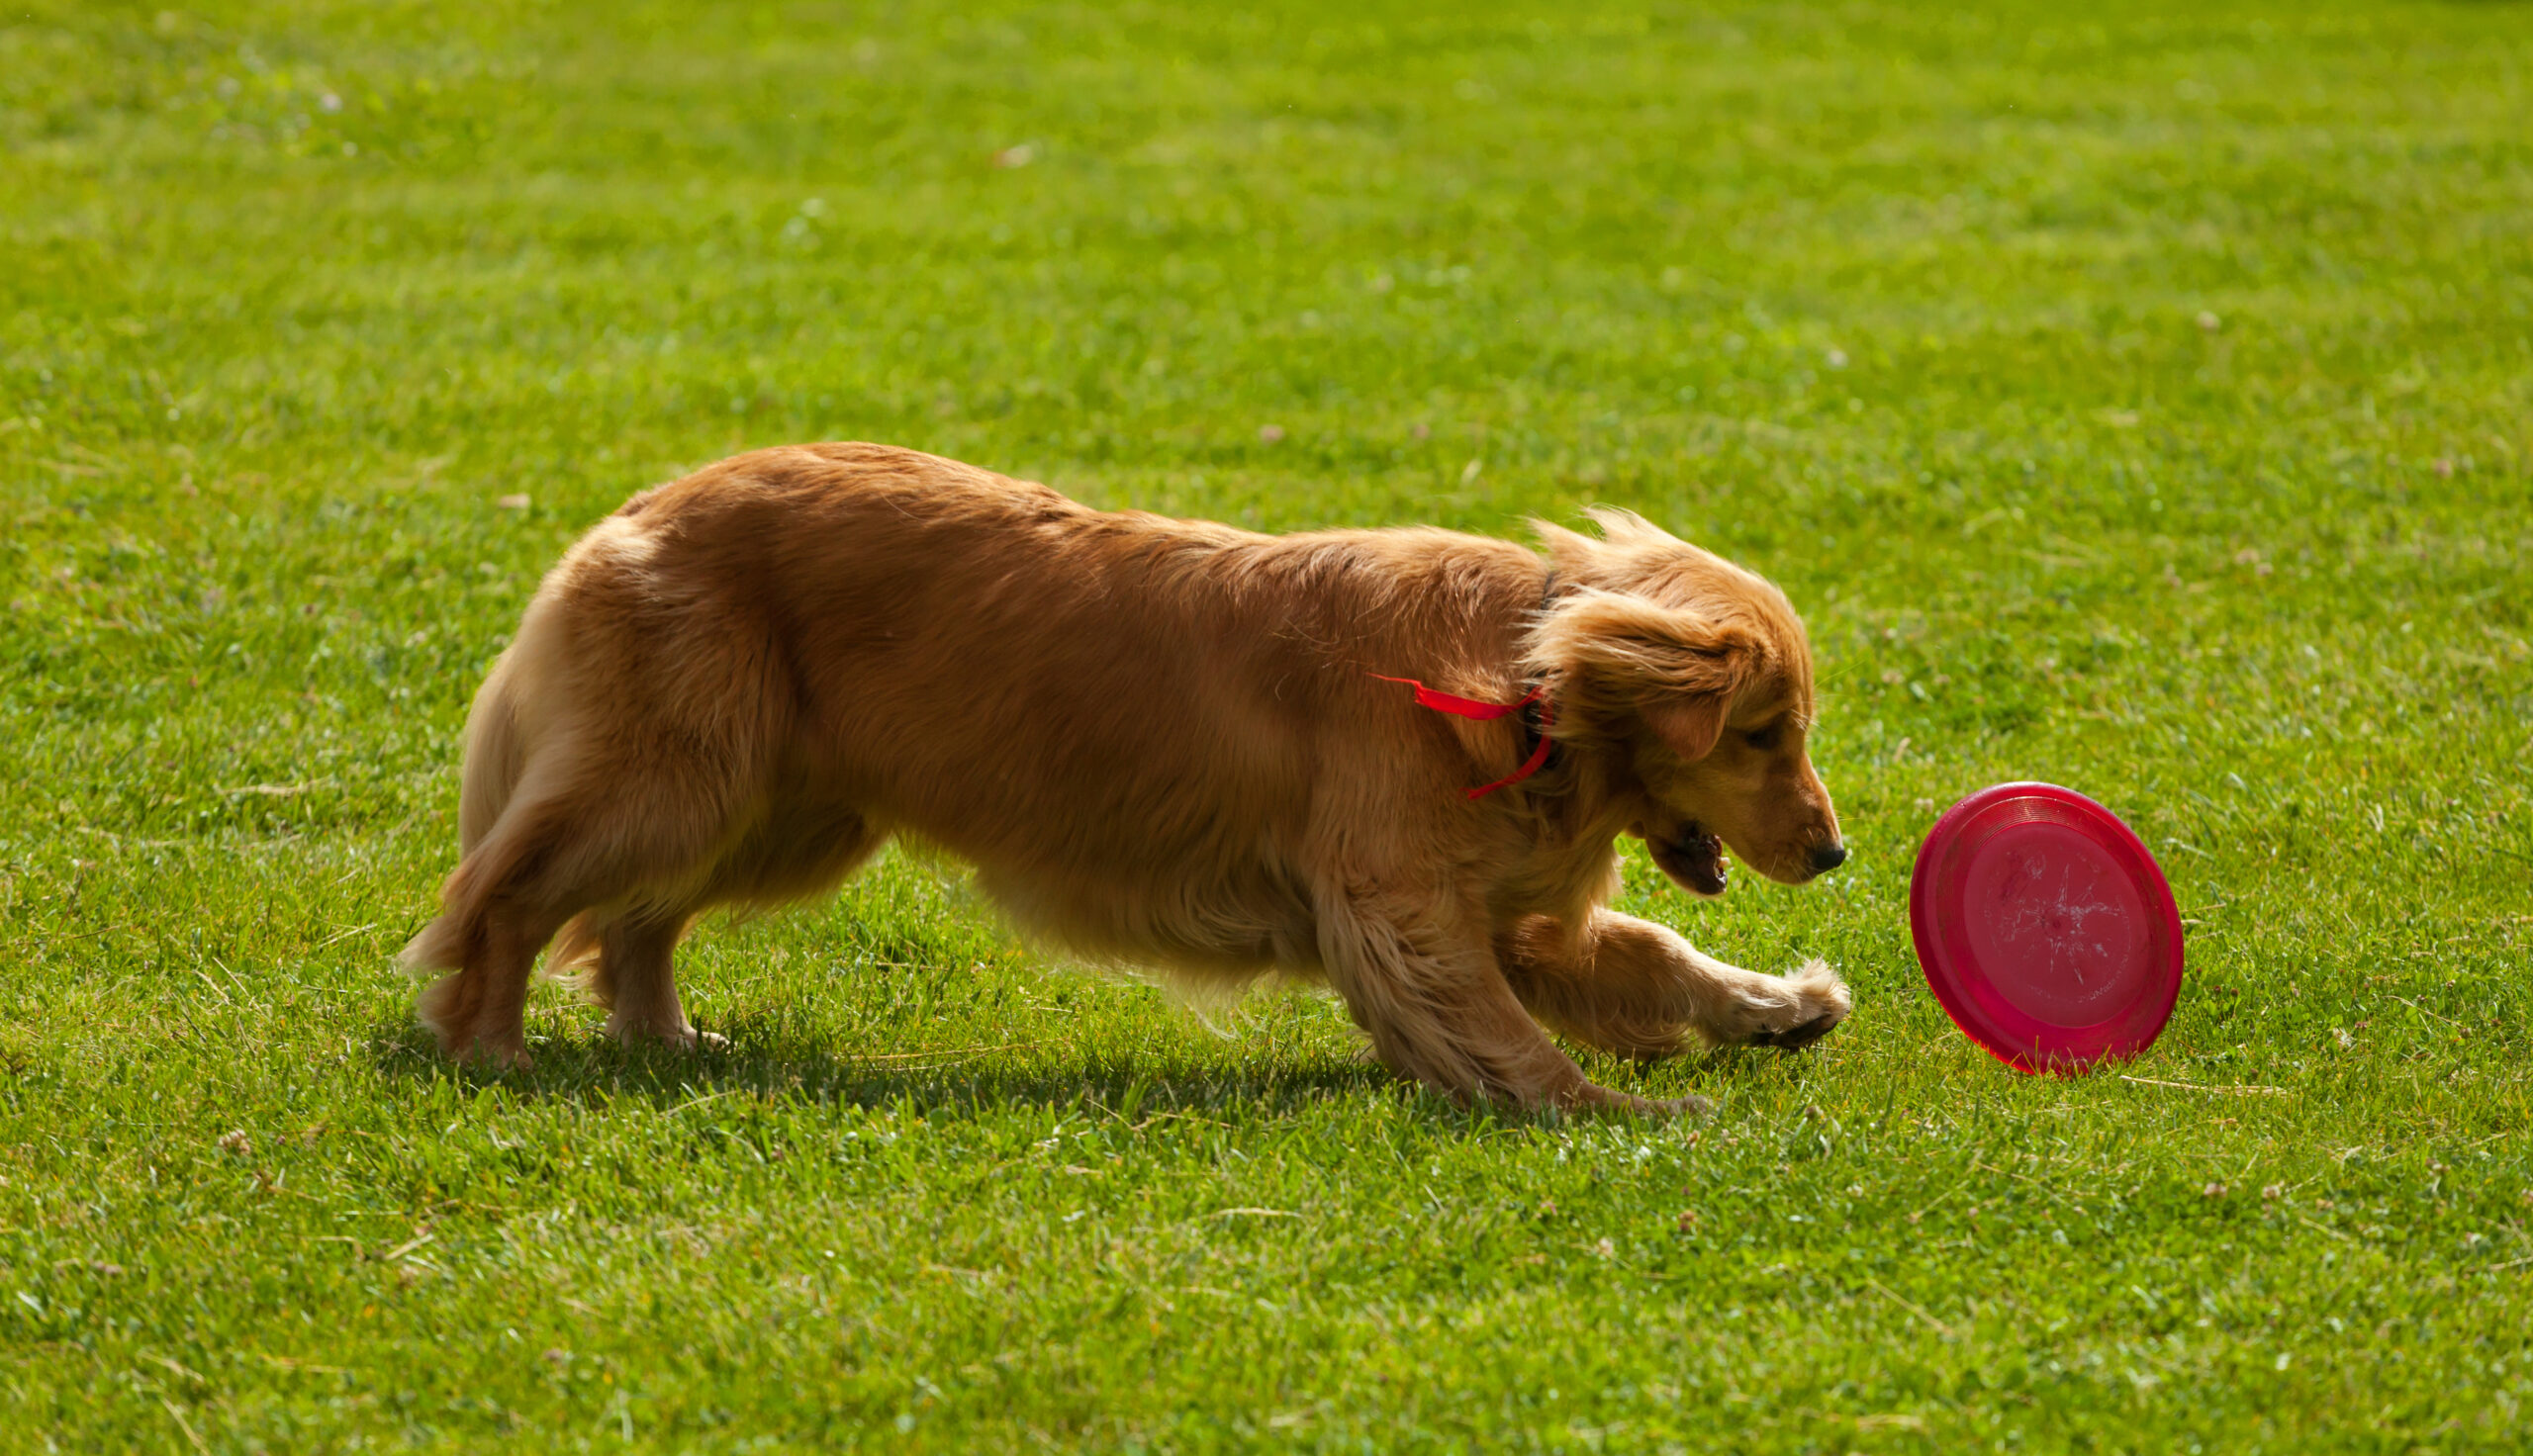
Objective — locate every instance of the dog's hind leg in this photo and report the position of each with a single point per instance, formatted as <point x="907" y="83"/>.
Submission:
<point x="480" y="1007"/>
<point x="636" y="978"/>
<point x="1437" y="1010"/>
<point x="1637" y="988"/>
<point x="586" y="835"/>
<point x="799" y="847"/>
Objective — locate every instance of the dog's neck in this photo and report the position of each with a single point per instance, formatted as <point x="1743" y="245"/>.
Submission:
<point x="1540" y="712"/>
<point x="1592" y="794"/>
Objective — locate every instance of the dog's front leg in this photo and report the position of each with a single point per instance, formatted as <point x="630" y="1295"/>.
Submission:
<point x="1437" y="1010"/>
<point x="1634" y="987"/>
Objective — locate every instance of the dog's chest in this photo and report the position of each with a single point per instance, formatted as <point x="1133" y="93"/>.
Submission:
<point x="1564" y="881"/>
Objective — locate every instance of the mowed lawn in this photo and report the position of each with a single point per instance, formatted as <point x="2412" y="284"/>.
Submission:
<point x="2141" y="402"/>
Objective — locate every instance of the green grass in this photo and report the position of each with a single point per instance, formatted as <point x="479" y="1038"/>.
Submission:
<point x="2142" y="403"/>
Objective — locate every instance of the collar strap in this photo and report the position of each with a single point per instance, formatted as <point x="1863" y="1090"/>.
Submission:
<point x="1470" y="707"/>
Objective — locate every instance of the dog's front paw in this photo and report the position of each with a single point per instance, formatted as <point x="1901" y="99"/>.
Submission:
<point x="1789" y="1011"/>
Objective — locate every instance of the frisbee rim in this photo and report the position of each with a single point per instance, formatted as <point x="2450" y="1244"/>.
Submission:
<point x="2051" y="1048"/>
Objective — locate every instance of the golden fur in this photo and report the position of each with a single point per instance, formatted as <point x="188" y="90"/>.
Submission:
<point x="1157" y="739"/>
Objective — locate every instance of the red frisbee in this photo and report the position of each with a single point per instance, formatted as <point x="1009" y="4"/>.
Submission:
<point x="2045" y="928"/>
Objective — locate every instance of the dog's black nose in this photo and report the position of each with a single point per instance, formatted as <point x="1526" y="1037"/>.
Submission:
<point x="1825" y="857"/>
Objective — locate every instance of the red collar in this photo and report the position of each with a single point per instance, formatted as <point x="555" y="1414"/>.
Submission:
<point x="1470" y="707"/>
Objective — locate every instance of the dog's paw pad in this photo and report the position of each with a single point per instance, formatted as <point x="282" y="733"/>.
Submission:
<point x="1807" y="1006"/>
<point x="1794" y="1039"/>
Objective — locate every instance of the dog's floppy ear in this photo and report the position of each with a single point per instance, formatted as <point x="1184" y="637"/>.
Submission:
<point x="1608" y="655"/>
<point x="1691" y="726"/>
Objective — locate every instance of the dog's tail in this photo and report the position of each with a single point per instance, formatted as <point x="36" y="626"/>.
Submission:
<point x="495" y="759"/>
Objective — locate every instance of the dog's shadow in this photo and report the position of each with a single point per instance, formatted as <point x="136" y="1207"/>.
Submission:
<point x="771" y="1061"/>
<point x="775" y="1060"/>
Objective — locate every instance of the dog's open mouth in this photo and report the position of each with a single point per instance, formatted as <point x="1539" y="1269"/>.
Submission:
<point x="1694" y="858"/>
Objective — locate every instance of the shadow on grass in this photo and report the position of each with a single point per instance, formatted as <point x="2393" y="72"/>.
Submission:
<point x="777" y="1061"/>
<point x="771" y="1059"/>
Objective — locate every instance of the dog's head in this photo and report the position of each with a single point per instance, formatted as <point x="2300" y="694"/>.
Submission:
<point x="1695" y="678"/>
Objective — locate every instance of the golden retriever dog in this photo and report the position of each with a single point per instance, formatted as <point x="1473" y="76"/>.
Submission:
<point x="1393" y="761"/>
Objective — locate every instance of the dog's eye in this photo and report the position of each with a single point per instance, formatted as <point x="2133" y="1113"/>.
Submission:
<point x="1765" y="740"/>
